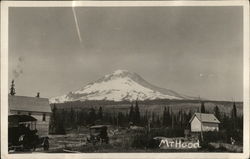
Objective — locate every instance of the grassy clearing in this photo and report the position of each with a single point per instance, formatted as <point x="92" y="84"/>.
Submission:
<point x="126" y="140"/>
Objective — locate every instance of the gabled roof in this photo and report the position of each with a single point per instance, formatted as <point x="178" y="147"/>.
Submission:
<point x="205" y="118"/>
<point x="30" y="104"/>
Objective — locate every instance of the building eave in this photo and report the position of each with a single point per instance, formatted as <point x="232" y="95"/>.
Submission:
<point x="29" y="111"/>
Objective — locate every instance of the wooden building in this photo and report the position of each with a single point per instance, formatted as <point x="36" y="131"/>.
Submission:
<point x="36" y="107"/>
<point x="204" y="122"/>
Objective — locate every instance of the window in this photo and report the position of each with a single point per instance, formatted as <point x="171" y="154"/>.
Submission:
<point x="44" y="117"/>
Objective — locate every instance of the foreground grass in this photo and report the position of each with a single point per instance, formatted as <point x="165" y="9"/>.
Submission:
<point x="122" y="143"/>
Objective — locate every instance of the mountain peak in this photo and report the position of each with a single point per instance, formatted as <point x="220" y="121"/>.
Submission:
<point x="121" y="73"/>
<point x="118" y="72"/>
<point x="118" y="86"/>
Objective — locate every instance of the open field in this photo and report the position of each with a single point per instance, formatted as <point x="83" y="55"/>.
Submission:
<point x="123" y="139"/>
<point x="120" y="141"/>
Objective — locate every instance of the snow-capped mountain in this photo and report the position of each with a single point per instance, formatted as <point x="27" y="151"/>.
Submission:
<point x="118" y="86"/>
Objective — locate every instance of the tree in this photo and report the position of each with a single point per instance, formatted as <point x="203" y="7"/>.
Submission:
<point x="61" y="123"/>
<point x="240" y="122"/>
<point x="126" y="119"/>
<point x="234" y="111"/>
<point x="137" y="113"/>
<point x="164" y="118"/>
<point x="168" y="118"/>
<point x="91" y="116"/>
<point x="72" y="118"/>
<point x="172" y="119"/>
<point x="109" y="117"/>
<point x="180" y="118"/>
<point x="100" y="113"/>
<point x="145" y="118"/>
<point x="158" y="121"/>
<point x="12" y="88"/>
<point x="53" y="118"/>
<point x="203" y="108"/>
<point x="185" y="119"/>
<point x="166" y="121"/>
<point x="120" y="119"/>
<point x="234" y="116"/>
<point x="153" y="118"/>
<point x="217" y="112"/>
<point x="226" y="123"/>
<point x="82" y="117"/>
<point x="131" y="113"/>
<point x="78" y="118"/>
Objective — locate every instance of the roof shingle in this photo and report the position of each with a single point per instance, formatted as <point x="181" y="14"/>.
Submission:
<point x="207" y="118"/>
<point x="31" y="104"/>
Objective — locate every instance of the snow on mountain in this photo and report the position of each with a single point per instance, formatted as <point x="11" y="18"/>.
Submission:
<point x="118" y="86"/>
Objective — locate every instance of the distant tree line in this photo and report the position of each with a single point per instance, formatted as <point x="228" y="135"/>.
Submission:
<point x="72" y="118"/>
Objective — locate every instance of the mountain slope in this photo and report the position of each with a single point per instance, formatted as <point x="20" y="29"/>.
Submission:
<point x="118" y="86"/>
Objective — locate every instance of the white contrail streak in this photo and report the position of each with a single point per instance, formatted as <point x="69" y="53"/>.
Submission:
<point x="77" y="25"/>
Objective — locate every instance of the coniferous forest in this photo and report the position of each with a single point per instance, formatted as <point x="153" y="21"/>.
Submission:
<point x="72" y="115"/>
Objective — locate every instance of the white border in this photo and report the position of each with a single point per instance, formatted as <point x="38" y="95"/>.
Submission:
<point x="4" y="76"/>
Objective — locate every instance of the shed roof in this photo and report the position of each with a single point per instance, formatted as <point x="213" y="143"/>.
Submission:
<point x="98" y="126"/>
<point x="206" y="118"/>
<point x="20" y="118"/>
<point x="30" y="104"/>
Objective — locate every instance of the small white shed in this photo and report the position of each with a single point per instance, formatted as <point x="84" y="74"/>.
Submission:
<point x="204" y="122"/>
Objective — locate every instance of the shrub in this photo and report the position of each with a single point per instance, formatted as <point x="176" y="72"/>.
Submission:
<point x="144" y="139"/>
<point x="237" y="135"/>
<point x="213" y="136"/>
<point x="223" y="136"/>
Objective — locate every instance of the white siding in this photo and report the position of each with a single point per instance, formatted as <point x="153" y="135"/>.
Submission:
<point x="195" y="125"/>
<point x="41" y="126"/>
<point x="210" y="127"/>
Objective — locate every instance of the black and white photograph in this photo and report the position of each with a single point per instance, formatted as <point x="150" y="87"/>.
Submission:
<point x="131" y="78"/>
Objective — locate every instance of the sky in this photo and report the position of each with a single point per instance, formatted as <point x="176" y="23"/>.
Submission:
<point x="196" y="51"/>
